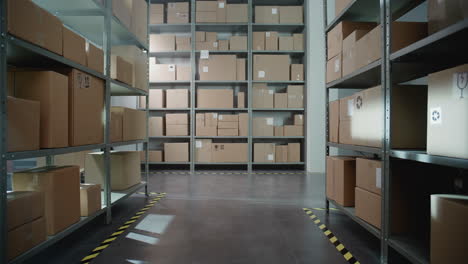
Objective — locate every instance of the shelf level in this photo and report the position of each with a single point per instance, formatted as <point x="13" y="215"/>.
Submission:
<point x="127" y="143"/>
<point x="290" y="28"/>
<point x="278" y="163"/>
<point x="165" y="109"/>
<point x="222" y="109"/>
<point x="50" y="152"/>
<point x="119" y="196"/>
<point x="412" y="249"/>
<point x="280" y="82"/>
<point x="422" y="156"/>
<point x="169" y="28"/>
<point x="371" y="150"/>
<point x="122" y="89"/>
<point x="220" y="137"/>
<point x="280" y="137"/>
<point x="170" y="137"/>
<point x="171" y="54"/>
<point x="365" y="77"/>
<point x="278" y="109"/>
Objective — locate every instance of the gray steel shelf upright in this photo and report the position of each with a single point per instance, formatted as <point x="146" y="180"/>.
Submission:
<point x="97" y="24"/>
<point x="245" y="28"/>
<point x="417" y="60"/>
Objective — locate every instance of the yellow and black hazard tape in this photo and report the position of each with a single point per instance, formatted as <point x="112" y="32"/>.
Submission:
<point x="333" y="239"/>
<point x="106" y="243"/>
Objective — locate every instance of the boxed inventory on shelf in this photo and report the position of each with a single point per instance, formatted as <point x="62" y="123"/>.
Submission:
<point x="177" y="98"/>
<point x="271" y="41"/>
<point x="94" y="58"/>
<point x="176" y="152"/>
<point x="116" y="127"/>
<point x="154" y="156"/>
<point x="183" y="73"/>
<point x="293" y="131"/>
<point x="178" y="13"/>
<point x="443" y="13"/>
<point x="177" y="124"/>
<point x="223" y="44"/>
<point x="156" y="99"/>
<point x="264" y="152"/>
<point x="334" y="121"/>
<point x="90" y="198"/>
<point x="297" y="72"/>
<point x="203" y="150"/>
<point x="125" y="169"/>
<point x="340" y="5"/>
<point x="298" y="41"/>
<point x="121" y="70"/>
<point x="139" y="61"/>
<point x="263" y="127"/>
<point x="74" y="46"/>
<point x="162" y="42"/>
<point x="62" y="205"/>
<point x="161" y="72"/>
<point x="334" y="69"/>
<point x="243" y="124"/>
<point x="349" y="54"/>
<point x="238" y="43"/>
<point x="230" y="152"/>
<point x="218" y="68"/>
<point x="279" y="131"/>
<point x="281" y="100"/>
<point x="295" y="96"/>
<point x="26" y="237"/>
<point x="271" y="67"/>
<point x="336" y="36"/>
<point x="237" y="13"/>
<point x="262" y="96"/>
<point x="133" y="123"/>
<point x="156" y="126"/>
<point x="241" y="100"/>
<point x="183" y="43"/>
<point x="298" y="120"/>
<point x="281" y="153"/>
<point x="291" y="15"/>
<point x="207" y="124"/>
<point x="258" y="41"/>
<point x="341" y="179"/>
<point x="75" y="158"/>
<point x="206" y="11"/>
<point x="122" y="10"/>
<point x="369" y="175"/>
<point x="294" y="152"/>
<point x="157" y="14"/>
<point x="221" y="12"/>
<point x="286" y="43"/>
<point x="267" y="14"/>
<point x="215" y="98"/>
<point x="368" y="206"/>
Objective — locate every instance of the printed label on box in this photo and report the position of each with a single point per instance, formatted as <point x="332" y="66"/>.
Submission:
<point x="270" y="121"/>
<point x="261" y="74"/>
<point x="271" y="157"/>
<point x="215" y="44"/>
<point x="215" y="115"/>
<point x="378" y="178"/>
<point x="204" y="54"/>
<point x="171" y="68"/>
<point x="267" y="34"/>
<point x="271" y="92"/>
<point x="220" y="5"/>
<point x="199" y="144"/>
<point x="460" y="85"/>
<point x="274" y="11"/>
<point x="337" y="65"/>
<point x="300" y="117"/>
<point x="205" y="68"/>
<point x="435" y="115"/>
<point x="220" y="117"/>
<point x="350" y="107"/>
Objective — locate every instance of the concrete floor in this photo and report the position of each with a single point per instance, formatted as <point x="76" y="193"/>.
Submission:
<point x="223" y="217"/>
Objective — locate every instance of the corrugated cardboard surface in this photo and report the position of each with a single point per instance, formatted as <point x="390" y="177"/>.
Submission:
<point x="215" y="98"/>
<point x="134" y="123"/>
<point x="177" y="130"/>
<point x="262" y="96"/>
<point x="334" y="121"/>
<point x="162" y="42"/>
<point x="281" y="100"/>
<point x="243" y="124"/>
<point x="162" y="72"/>
<point x="286" y="43"/>
<point x="293" y="131"/>
<point x="177" y="98"/>
<point x="157" y="14"/>
<point x="90" y="199"/>
<point x="267" y="14"/>
<point x="297" y="72"/>
<point x="330" y="188"/>
<point x="334" y="68"/>
<point x="223" y="44"/>
<point x="156" y="126"/>
<point x="263" y="126"/>
<point x="241" y="100"/>
<point x="206" y="131"/>
<point x="74" y="46"/>
<point x="229" y="152"/>
<point x="176" y="152"/>
<point x="238" y="43"/>
<point x="344" y="179"/>
<point x="24" y="207"/>
<point x="368" y="207"/>
<point x="156" y="99"/>
<point x="122" y="9"/>
<point x="271" y="40"/>
<point x="221" y="11"/>
<point x="224" y="125"/>
<point x="295" y="96"/>
<point x="298" y="41"/>
<point x="340" y="5"/>
<point x="443" y="13"/>
<point x="258" y="41"/>
<point x="271" y="67"/>
<point x="281" y="153"/>
<point x="121" y="70"/>
<point x="279" y="131"/>
<point x="294" y="152"/>
<point x="340" y="32"/>
<point x="139" y="60"/>
<point x="177" y="119"/>
<point x="228" y="132"/>
<point x="116" y="127"/>
<point x="184" y="72"/>
<point x="218" y="68"/>
<point x="26" y="237"/>
<point x="206" y="6"/>
<point x="206" y="17"/>
<point x="291" y="15"/>
<point x="94" y="58"/>
<point x="237" y="13"/>
<point x="298" y="120"/>
<point x="369" y="175"/>
<point x="154" y="156"/>
<point x="264" y="152"/>
<point x="23" y="124"/>
<point x="241" y="69"/>
<point x="203" y="150"/>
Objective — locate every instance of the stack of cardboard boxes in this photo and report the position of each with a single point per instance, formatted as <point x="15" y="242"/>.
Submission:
<point x="169" y="42"/>
<point x="177" y="13"/>
<point x="209" y="152"/>
<point x="263" y="97"/>
<point x="279" y="14"/>
<point x="209" y="41"/>
<point x="221" y="12"/>
<point x="171" y="98"/>
<point x="276" y="68"/>
<point x="177" y="125"/>
<point x="127" y="124"/>
<point x="272" y="41"/>
<point x="222" y="68"/>
<point x="153" y="156"/>
<point x="214" y="124"/>
<point x="274" y="153"/>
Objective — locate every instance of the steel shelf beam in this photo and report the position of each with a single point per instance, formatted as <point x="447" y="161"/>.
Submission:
<point x="50" y="152"/>
<point x="278" y="109"/>
<point x="366" y="77"/>
<point x="411" y="249"/>
<point x="422" y="156"/>
<point x="370" y="150"/>
<point x="127" y="143"/>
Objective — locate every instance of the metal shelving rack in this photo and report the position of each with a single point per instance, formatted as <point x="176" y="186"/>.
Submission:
<point x="247" y="29"/>
<point x="417" y="60"/>
<point x="97" y="24"/>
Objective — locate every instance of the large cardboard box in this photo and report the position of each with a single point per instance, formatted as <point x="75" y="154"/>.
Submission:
<point x="156" y="99"/>
<point x="177" y="119"/>
<point x="176" y="152"/>
<point x="207" y="45"/>
<point x="218" y="68"/>
<point x="237" y="13"/>
<point x="162" y="72"/>
<point x="203" y="150"/>
<point x="221" y="12"/>
<point x="243" y="124"/>
<point x="258" y="41"/>
<point x="291" y="15"/>
<point x="271" y="67"/>
<point x="94" y="58"/>
<point x="267" y="14"/>
<point x="61" y="189"/>
<point x="177" y="98"/>
<point x="207" y="6"/>
<point x="334" y="69"/>
<point x="178" y="13"/>
<point x="24" y="207"/>
<point x="74" y="47"/>
<point x="264" y="152"/>
<point x="447" y="122"/>
<point x="177" y="130"/>
<point x="116" y="127"/>
<point x="50" y="89"/>
<point x="238" y="43"/>
<point x="29" y="22"/>
<point x="443" y="13"/>
<point x="162" y="42"/>
<point x="263" y="127"/>
<point x="183" y="43"/>
<point x="294" y="152"/>
<point x="281" y="153"/>
<point x="86" y="105"/>
<point x="286" y="43"/>
<point x="334" y="121"/>
<point x="271" y="41"/>
<point x="448" y="226"/>
<point x="206" y="17"/>
<point x="369" y="207"/>
<point x="156" y="126"/>
<point x="229" y="152"/>
<point x="122" y="9"/>
<point x="228" y="132"/>
<point x="133" y="123"/>
<point x="340" y="32"/>
<point x="293" y="131"/>
<point x="154" y="156"/>
<point x="183" y="72"/>
<point x="90" y="199"/>
<point x="157" y="14"/>
<point x="139" y="22"/>
<point x="295" y="96"/>
<point x="121" y="70"/>
<point x="241" y="100"/>
<point x="262" y="96"/>
<point x="125" y="169"/>
<point x="215" y="98"/>
<point x="26" y="237"/>
<point x="369" y="175"/>
<point x="297" y="72"/>
<point x="341" y="177"/>
<point x="298" y="41"/>
<point x="75" y="158"/>
<point x="211" y="119"/>
<point x="281" y="100"/>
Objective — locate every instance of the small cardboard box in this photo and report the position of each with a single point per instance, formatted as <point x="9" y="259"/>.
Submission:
<point x="238" y="43"/>
<point x="154" y="156"/>
<point x="183" y="43"/>
<point x="215" y="98"/>
<point x="162" y="42"/>
<point x="157" y="14"/>
<point x="241" y="100"/>
<point x="279" y="131"/>
<point x="369" y="207"/>
<point x="26" y="237"/>
<point x="294" y="152"/>
<point x="178" y="7"/>
<point x="74" y="47"/>
<point x="258" y="41"/>
<point x="298" y="41"/>
<point x="94" y="58"/>
<point x="133" y="123"/>
<point x="200" y="119"/>
<point x="228" y="132"/>
<point x="211" y="119"/>
<point x="211" y="36"/>
<point x="271" y="41"/>
<point x="177" y="119"/>
<point x="121" y="70"/>
<point x="237" y="13"/>
<point x="223" y="45"/>
<point x="221" y="12"/>
<point x="229" y="152"/>
<point x="156" y="99"/>
<point x="281" y="100"/>
<point x="443" y="13"/>
<point x="297" y="72"/>
<point x="23" y="207"/>
<point x="293" y="131"/>
<point x="263" y="127"/>
<point x="369" y="175"/>
<point x="295" y="96"/>
<point x="218" y="68"/>
<point x="286" y="43"/>
<point x="281" y="153"/>
<point x="271" y="67"/>
<point x="298" y="120"/>
<point x="334" y="121"/>
<point x="183" y="72"/>
<point x="177" y="98"/>
<point x="176" y="130"/>
<point x="334" y="71"/>
<point x="156" y="126"/>
<point x="267" y="14"/>
<point x="291" y="15"/>
<point x="206" y="17"/>
<point x="178" y="13"/>
<point x="262" y="96"/>
<point x="90" y="199"/>
<point x="176" y="152"/>
<point x="162" y="72"/>
<point x="203" y="150"/>
<point x="241" y="69"/>
<point x="264" y="152"/>
<point x="206" y="131"/>
<point x="116" y="127"/>
<point x="123" y="11"/>
<point x="139" y="20"/>
<point x="341" y="179"/>
<point x="243" y="124"/>
<point x="336" y="36"/>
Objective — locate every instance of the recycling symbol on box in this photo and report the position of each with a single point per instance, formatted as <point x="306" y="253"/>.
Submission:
<point x="436" y="115"/>
<point x="359" y="102"/>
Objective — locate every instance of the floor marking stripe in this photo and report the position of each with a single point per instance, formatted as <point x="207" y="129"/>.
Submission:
<point x="106" y="243"/>
<point x="332" y="238"/>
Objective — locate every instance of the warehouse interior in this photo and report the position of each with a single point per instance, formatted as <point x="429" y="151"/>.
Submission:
<point x="233" y="131"/>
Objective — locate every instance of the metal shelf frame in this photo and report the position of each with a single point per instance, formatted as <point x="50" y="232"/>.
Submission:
<point x="431" y="54"/>
<point x="96" y="23"/>
<point x="247" y="85"/>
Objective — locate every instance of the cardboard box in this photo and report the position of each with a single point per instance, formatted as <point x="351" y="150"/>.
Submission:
<point x="184" y="72"/>
<point x="369" y="175"/>
<point x="200" y="36"/>
<point x="74" y="47"/>
<point x="243" y="124"/>
<point x="125" y="169"/>
<point x="139" y="61"/>
<point x="228" y="118"/>
<point x="281" y="154"/>
<point x="162" y="72"/>
<point x="448" y="213"/>
<point x="207" y="45"/>
<point x="10" y="83"/>
<point x="294" y="152"/>
<point x="264" y="152"/>
<point x="263" y="127"/>
<point x="94" y="58"/>
<point x="116" y="127"/>
<point x="154" y="156"/>
<point x="156" y="99"/>
<point x="286" y="43"/>
<point x="157" y="14"/>
<point x="341" y="179"/>
<point x="207" y="6"/>
<point x="228" y="132"/>
<point x="444" y="13"/>
<point x="293" y="131"/>
<point x="178" y="13"/>
<point x="350" y="59"/>
<point x="330" y="178"/>
<point x="334" y="121"/>
<point x="262" y="97"/>
<point x="271" y="40"/>
<point x="122" y="9"/>
<point x="221" y="12"/>
<point x="206" y="131"/>
<point x="340" y="5"/>
<point x="258" y="41"/>
<point x="241" y="69"/>
<point x="446" y="125"/>
<point x="291" y="15"/>
<point x="177" y="98"/>
<point x="176" y="152"/>
<point x="133" y="123"/>
<point x="206" y="17"/>
<point x="211" y="36"/>
<point x="215" y="98"/>
<point x="267" y="14"/>
<point x="183" y="43"/>
<point x="203" y="150"/>
<point x="336" y="36"/>
<point x="281" y="100"/>
<point x="279" y="131"/>
<point x="297" y="72"/>
<point x="298" y="120"/>
<point x="50" y="89"/>
<point x="228" y="125"/>
<point x="176" y="130"/>
<point x="229" y="152"/>
<point x="369" y="207"/>
<point x="121" y="70"/>
<point x="211" y="119"/>
<point x="238" y="43"/>
<point x="218" y="68"/>
<point x="298" y="41"/>
<point x="90" y="199"/>
<point x="156" y="126"/>
<point x="240" y="100"/>
<point x="75" y="158"/>
<point x="177" y="119"/>
<point x="26" y="237"/>
<point x="62" y="205"/>
<point x="271" y="67"/>
<point x="200" y="119"/>
<point x="223" y="45"/>
<point x="162" y="42"/>
<point x="86" y="105"/>
<point x="139" y="21"/>
<point x="237" y="13"/>
<point x="29" y="22"/>
<point x="334" y="71"/>
<point x="24" y="207"/>
<point x="295" y="96"/>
